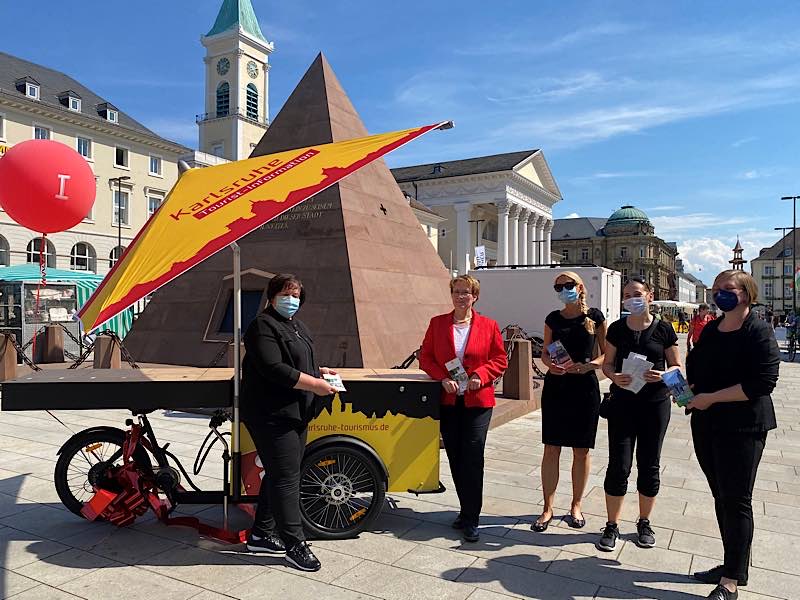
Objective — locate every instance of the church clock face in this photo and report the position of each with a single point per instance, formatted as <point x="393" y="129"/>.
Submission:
<point x="223" y="66"/>
<point x="252" y="69"/>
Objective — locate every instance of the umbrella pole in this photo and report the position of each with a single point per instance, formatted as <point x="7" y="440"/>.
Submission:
<point x="236" y="474"/>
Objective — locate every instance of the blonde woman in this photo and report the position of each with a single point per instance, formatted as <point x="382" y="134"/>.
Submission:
<point x="571" y="395"/>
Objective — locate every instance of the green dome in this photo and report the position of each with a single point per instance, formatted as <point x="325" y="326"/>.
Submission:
<point x="628" y="213"/>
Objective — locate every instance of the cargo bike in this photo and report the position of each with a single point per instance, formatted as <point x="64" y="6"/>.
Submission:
<point x="381" y="435"/>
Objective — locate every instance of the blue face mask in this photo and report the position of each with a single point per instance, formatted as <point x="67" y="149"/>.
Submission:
<point x="287" y="306"/>
<point x="726" y="300"/>
<point x="568" y="296"/>
<point x="635" y="306"/>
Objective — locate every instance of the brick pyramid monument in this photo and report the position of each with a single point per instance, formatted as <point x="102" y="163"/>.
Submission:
<point x="372" y="278"/>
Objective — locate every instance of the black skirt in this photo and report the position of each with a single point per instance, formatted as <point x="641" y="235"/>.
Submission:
<point x="570" y="410"/>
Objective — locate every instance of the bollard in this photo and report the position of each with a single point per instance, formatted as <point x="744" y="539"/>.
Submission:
<point x="8" y="357"/>
<point x="518" y="378"/>
<point x="107" y="354"/>
<point x="53" y="347"/>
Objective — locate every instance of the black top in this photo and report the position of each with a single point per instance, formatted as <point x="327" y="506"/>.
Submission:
<point x="277" y="350"/>
<point x="748" y="356"/>
<point x="660" y="336"/>
<point x="578" y="342"/>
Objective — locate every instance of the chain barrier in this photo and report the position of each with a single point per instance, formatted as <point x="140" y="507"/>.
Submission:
<point x="513" y="332"/>
<point x="21" y="351"/>
<point x="126" y="356"/>
<point x="222" y="352"/>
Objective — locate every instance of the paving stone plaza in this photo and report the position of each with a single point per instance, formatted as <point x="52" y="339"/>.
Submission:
<point x="49" y="553"/>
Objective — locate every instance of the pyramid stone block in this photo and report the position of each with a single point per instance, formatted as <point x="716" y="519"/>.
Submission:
<point x="372" y="278"/>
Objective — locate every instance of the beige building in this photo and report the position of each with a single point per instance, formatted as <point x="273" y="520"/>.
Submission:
<point x="41" y="103"/>
<point x="237" y="83"/>
<point x="772" y="270"/>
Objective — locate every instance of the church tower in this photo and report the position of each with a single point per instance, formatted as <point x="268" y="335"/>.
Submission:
<point x="237" y="83"/>
<point x="738" y="261"/>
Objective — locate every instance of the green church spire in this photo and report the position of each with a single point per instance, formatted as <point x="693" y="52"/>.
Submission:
<point x="235" y="14"/>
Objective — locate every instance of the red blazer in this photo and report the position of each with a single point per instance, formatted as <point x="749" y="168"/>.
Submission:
<point x="484" y="355"/>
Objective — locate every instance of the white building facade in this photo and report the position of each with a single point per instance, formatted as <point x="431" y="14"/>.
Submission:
<point x="502" y="202"/>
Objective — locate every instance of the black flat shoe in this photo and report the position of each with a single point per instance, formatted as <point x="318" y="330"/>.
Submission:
<point x="720" y="593"/>
<point x="471" y="533"/>
<point x="539" y="527"/>
<point x="713" y="576"/>
<point x="576" y="523"/>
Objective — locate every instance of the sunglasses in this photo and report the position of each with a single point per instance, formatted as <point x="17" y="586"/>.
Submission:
<point x="560" y="286"/>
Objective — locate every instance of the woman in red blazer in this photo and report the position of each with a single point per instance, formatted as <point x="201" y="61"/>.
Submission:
<point x="475" y="341"/>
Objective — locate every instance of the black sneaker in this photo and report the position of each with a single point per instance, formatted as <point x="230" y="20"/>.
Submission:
<point x="720" y="593"/>
<point x="269" y="544"/>
<point x="713" y="575"/>
<point x="646" y="537"/>
<point x="301" y="557"/>
<point x="471" y="533"/>
<point x="608" y="541"/>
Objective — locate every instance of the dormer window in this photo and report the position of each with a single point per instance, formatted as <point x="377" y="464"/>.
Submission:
<point x="71" y="100"/>
<point x="109" y="112"/>
<point x="28" y="86"/>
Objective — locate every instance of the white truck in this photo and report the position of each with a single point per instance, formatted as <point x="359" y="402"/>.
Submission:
<point x="524" y="295"/>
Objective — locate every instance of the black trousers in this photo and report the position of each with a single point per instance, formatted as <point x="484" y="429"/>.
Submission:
<point x="464" y="433"/>
<point x="280" y="447"/>
<point x="639" y="425"/>
<point x="730" y="462"/>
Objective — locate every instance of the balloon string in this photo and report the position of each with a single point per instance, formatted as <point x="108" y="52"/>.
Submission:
<point x="42" y="283"/>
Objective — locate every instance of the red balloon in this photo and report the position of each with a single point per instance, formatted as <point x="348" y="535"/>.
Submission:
<point x="46" y="186"/>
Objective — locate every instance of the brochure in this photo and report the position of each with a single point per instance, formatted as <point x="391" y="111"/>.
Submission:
<point x="678" y="387"/>
<point x="636" y="365"/>
<point x="559" y="355"/>
<point x="335" y="381"/>
<point x="458" y="374"/>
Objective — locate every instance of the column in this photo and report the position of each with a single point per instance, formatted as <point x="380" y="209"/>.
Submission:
<point x="513" y="234"/>
<point x="463" y="237"/>
<point x="525" y="214"/>
<point x="502" y="231"/>
<point x="533" y="251"/>
<point x="547" y="240"/>
<point x="540" y="253"/>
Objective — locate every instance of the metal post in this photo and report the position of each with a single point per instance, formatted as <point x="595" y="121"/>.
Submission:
<point x="119" y="181"/>
<point x="794" y="249"/>
<point x="783" y="231"/>
<point x="237" y="371"/>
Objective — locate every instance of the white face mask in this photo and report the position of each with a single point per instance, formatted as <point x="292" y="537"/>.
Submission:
<point x="635" y="306"/>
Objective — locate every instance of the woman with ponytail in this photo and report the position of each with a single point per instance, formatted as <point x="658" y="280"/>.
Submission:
<point x="571" y="395"/>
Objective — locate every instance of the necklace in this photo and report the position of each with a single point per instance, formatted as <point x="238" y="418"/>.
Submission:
<point x="461" y="321"/>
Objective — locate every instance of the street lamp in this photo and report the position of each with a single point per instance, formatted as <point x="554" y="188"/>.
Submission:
<point x="783" y="231"/>
<point x="794" y="248"/>
<point x="119" y="181"/>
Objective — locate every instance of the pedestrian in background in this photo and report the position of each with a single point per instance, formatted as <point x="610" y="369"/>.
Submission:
<point x="466" y="411"/>
<point x="571" y="396"/>
<point x="696" y="325"/>
<point x="636" y="421"/>
<point x="733" y="370"/>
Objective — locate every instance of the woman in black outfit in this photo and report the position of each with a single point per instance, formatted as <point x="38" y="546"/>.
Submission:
<point x="636" y="420"/>
<point x="279" y="381"/>
<point x="733" y="370"/>
<point x="571" y="396"/>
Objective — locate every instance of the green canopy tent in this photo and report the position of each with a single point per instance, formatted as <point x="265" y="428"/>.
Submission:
<point x="85" y="284"/>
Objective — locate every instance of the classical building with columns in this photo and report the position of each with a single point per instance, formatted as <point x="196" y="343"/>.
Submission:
<point x="503" y="202"/>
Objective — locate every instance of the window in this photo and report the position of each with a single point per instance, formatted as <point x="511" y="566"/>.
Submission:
<point x="624" y="275"/>
<point x="85" y="147"/>
<point x="155" y="165"/>
<point x="788" y="252"/>
<point x="2" y="127"/>
<point x="112" y="116"/>
<point x="641" y="252"/>
<point x="623" y="252"/>
<point x="83" y="258"/>
<point x="5" y="254"/>
<point x="120" y="157"/>
<point x="768" y="289"/>
<point x="787" y="290"/>
<point x="34" y="250"/>
<point x="218" y="150"/>
<point x="566" y="254"/>
<point x="121" y="205"/>
<point x="787" y="270"/>
<point x="252" y="102"/>
<point x="584" y="254"/>
<point x="32" y="91"/>
<point x="769" y="270"/>
<point x="251" y="305"/>
<point x="153" y="202"/>
<point x="641" y="275"/>
<point x="75" y="104"/>
<point x="223" y="99"/>
<point x="114" y="256"/>
<point x="41" y="133"/>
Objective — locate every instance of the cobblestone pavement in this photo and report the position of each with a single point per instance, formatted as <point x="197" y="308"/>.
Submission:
<point x="47" y="552"/>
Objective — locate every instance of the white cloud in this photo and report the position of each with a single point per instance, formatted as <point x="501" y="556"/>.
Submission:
<point x="669" y="226"/>
<point x="663" y="208"/>
<point x="705" y="256"/>
<point x="572" y="215"/>
<point x="745" y="140"/>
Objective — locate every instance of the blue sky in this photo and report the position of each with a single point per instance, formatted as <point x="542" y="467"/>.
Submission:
<point x="688" y="110"/>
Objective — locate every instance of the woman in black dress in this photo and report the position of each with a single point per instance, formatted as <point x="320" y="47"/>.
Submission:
<point x="571" y="395"/>
<point x="733" y="370"/>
